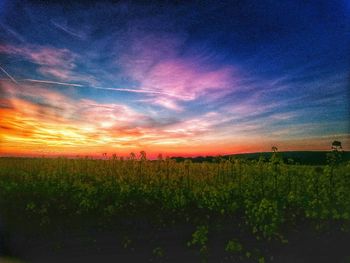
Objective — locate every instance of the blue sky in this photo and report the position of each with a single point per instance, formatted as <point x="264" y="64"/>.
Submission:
<point x="189" y="77"/>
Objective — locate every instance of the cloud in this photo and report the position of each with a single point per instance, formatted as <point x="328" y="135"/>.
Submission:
<point x="12" y="32"/>
<point x="186" y="79"/>
<point x="42" y="120"/>
<point x="40" y="116"/>
<point x="5" y="104"/>
<point x="62" y="25"/>
<point x="41" y="55"/>
<point x="169" y="78"/>
<point x="60" y="64"/>
<point x="146" y="91"/>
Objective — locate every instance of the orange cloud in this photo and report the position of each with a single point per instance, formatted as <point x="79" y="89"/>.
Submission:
<point x="36" y="121"/>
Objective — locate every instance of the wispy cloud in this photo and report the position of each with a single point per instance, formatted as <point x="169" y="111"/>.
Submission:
<point x="12" y="32"/>
<point x="60" y="64"/>
<point x="51" y="116"/>
<point x="47" y="56"/>
<point x="146" y="91"/>
<point x="62" y="25"/>
<point x="159" y="69"/>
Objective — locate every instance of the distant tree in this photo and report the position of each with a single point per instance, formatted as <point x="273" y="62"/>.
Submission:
<point x="274" y="149"/>
<point x="143" y="156"/>
<point x="275" y="158"/>
<point x="132" y="156"/>
<point x="336" y="146"/>
<point x="335" y="157"/>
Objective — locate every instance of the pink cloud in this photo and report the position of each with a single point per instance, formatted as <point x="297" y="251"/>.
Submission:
<point x="53" y="57"/>
<point x="58" y="73"/>
<point x="186" y="79"/>
<point x="169" y="78"/>
<point x="47" y="56"/>
<point x="108" y="115"/>
<point x="53" y="62"/>
<point x="178" y="80"/>
<point x="144" y="50"/>
<point x="166" y="102"/>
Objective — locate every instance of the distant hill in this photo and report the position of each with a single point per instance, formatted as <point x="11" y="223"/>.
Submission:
<point x="300" y="157"/>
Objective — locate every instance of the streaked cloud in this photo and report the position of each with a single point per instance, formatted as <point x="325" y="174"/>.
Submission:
<point x="57" y="63"/>
<point x="62" y="25"/>
<point x="155" y="64"/>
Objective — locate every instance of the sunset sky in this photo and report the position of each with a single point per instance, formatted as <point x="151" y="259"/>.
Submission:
<point x="179" y="78"/>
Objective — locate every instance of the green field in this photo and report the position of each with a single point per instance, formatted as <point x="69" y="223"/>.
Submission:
<point x="265" y="198"/>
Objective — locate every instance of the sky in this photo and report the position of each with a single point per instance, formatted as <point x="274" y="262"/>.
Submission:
<point x="173" y="77"/>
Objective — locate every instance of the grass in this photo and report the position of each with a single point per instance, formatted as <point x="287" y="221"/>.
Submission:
<point x="265" y="196"/>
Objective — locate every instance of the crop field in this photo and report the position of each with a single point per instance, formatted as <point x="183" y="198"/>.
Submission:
<point x="266" y="199"/>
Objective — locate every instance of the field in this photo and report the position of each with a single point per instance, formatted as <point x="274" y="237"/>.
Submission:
<point x="227" y="210"/>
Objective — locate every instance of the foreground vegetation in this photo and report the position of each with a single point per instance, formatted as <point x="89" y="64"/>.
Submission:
<point x="265" y="197"/>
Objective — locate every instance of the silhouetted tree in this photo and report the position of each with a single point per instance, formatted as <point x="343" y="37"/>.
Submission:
<point x="274" y="149"/>
<point x="132" y="156"/>
<point x="336" y="146"/>
<point x="335" y="157"/>
<point x="143" y="156"/>
<point x="160" y="157"/>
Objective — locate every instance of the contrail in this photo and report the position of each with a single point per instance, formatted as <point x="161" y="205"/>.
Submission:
<point x="67" y="30"/>
<point x="52" y="82"/>
<point x="7" y="74"/>
<point x="12" y="32"/>
<point x="145" y="91"/>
